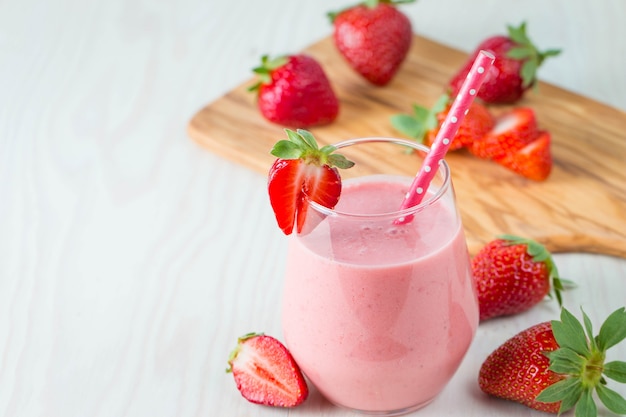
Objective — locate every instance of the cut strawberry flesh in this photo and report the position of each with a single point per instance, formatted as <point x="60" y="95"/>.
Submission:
<point x="512" y="131"/>
<point x="266" y="373"/>
<point x="293" y="183"/>
<point x="533" y="161"/>
<point x="322" y="185"/>
<point x="285" y="191"/>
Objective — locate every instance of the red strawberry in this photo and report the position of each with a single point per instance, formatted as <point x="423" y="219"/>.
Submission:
<point x="512" y="131"/>
<point x="512" y="274"/>
<point x="266" y="373"/>
<point x="424" y="124"/>
<point x="374" y="37"/>
<point x="295" y="91"/>
<point x="554" y="366"/>
<point x="302" y="173"/>
<point x="533" y="161"/>
<point x="521" y="359"/>
<point x="514" y="69"/>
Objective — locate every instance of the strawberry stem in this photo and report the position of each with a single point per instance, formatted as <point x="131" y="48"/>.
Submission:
<point x="528" y="52"/>
<point x="264" y="71"/>
<point x="422" y="120"/>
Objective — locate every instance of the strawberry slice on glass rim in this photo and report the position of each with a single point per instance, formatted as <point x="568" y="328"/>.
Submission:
<point x="303" y="173"/>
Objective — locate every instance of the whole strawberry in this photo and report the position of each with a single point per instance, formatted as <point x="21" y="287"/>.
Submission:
<point x="266" y="373"/>
<point x="554" y="366"/>
<point x="512" y="274"/>
<point x="514" y="70"/>
<point x="295" y="91"/>
<point x="303" y="173"/>
<point x="374" y="37"/>
<point x="424" y="124"/>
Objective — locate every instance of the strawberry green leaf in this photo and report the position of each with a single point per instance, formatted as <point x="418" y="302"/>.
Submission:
<point x="566" y="361"/>
<point x="542" y="56"/>
<point x="421" y="121"/>
<point x="407" y="125"/>
<point x="613" y="329"/>
<point x="421" y="113"/>
<point x="308" y="138"/>
<point x="296" y="139"/>
<point x="274" y="63"/>
<point x="520" y="52"/>
<point x="569" y="333"/>
<point x="611" y="399"/>
<point x="518" y="34"/>
<point x="572" y="396"/>
<point x="616" y="370"/>
<point x="589" y="330"/>
<point x="528" y="72"/>
<point x="286" y="150"/>
<point x="526" y="50"/>
<point x="536" y="250"/>
<point x="302" y="145"/>
<point x="567" y="390"/>
<point x="586" y="407"/>
<point x="264" y="71"/>
<point x="440" y="104"/>
<point x="339" y="161"/>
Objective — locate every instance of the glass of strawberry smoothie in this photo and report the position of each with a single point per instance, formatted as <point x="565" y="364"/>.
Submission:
<point x="379" y="315"/>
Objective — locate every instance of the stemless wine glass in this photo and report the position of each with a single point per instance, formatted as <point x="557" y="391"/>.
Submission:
<point x="379" y="315"/>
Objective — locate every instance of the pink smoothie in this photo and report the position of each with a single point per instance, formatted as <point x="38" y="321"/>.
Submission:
<point x="381" y="317"/>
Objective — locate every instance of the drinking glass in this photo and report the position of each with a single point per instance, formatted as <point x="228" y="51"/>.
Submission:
<point x="379" y="313"/>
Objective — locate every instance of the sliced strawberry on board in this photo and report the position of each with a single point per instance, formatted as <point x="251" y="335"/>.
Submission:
<point x="266" y="373"/>
<point x="302" y="173"/>
<point x="533" y="161"/>
<point x="512" y="131"/>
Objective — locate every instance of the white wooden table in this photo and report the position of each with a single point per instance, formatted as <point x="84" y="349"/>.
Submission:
<point x="131" y="259"/>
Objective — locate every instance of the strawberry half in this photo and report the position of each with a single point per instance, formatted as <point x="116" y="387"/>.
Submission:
<point x="555" y="366"/>
<point x="533" y="161"/>
<point x="302" y="173"/>
<point x="374" y="37"/>
<point x="295" y="91"/>
<point x="424" y="124"/>
<point x="512" y="131"/>
<point x="266" y="373"/>
<point x="512" y="274"/>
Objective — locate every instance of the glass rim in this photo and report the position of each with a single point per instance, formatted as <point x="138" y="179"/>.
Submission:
<point x="443" y="169"/>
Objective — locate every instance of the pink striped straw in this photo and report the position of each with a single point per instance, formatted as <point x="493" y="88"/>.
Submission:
<point x="449" y="127"/>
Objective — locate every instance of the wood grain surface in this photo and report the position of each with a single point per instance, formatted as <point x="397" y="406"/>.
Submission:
<point x="581" y="207"/>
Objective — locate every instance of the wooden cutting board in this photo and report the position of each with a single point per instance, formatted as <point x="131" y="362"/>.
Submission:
<point x="581" y="207"/>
